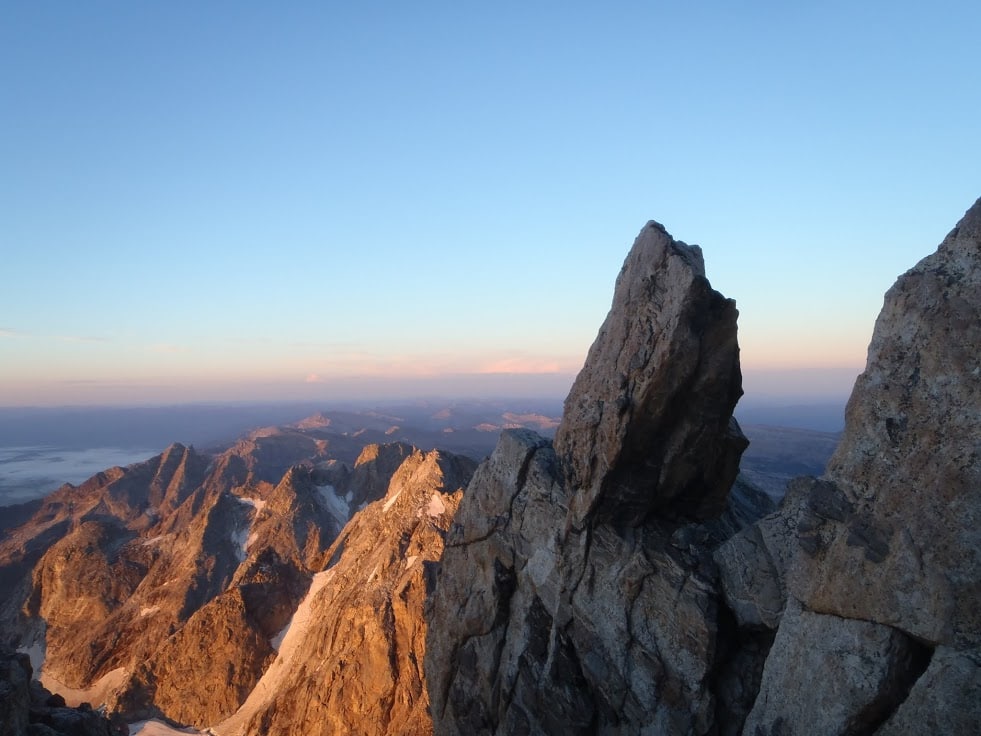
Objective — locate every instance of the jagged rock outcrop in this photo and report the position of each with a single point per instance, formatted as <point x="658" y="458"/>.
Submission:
<point x="350" y="660"/>
<point x="600" y="587"/>
<point x="577" y="591"/>
<point x="162" y="589"/>
<point x="646" y="427"/>
<point x="871" y="575"/>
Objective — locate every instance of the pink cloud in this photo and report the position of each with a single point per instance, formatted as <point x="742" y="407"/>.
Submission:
<point x="523" y="365"/>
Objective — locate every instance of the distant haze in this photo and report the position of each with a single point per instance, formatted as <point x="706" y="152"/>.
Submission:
<point x="775" y="386"/>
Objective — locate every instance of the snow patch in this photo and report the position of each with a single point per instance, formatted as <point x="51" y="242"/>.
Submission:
<point x="277" y="641"/>
<point x="97" y="694"/>
<point x="288" y="643"/>
<point x="37" y="652"/>
<point x="410" y="559"/>
<point x="154" y="727"/>
<point x="389" y="502"/>
<point x="240" y="540"/>
<point x="337" y="506"/>
<point x="436" y="506"/>
<point x="257" y="503"/>
<point x="147" y="610"/>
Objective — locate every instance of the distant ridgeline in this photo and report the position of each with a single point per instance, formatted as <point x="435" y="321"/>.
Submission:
<point x="330" y="577"/>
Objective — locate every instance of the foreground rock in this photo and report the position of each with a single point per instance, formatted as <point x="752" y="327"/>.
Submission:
<point x="871" y="576"/>
<point x="607" y="586"/>
<point x="577" y="591"/>
<point x="28" y="709"/>
<point x="646" y="427"/>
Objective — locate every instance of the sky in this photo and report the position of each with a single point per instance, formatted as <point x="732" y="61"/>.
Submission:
<point x="232" y="201"/>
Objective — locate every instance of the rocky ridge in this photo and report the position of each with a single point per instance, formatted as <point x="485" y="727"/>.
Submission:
<point x="577" y="592"/>
<point x="351" y="661"/>
<point x="164" y="589"/>
<point x="613" y="583"/>
<point x="871" y="575"/>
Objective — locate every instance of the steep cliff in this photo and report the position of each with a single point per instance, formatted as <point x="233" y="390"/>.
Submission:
<point x="871" y="576"/>
<point x="577" y="592"/>
<point x="615" y="584"/>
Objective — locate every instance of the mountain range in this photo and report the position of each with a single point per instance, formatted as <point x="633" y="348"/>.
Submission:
<point x="616" y="575"/>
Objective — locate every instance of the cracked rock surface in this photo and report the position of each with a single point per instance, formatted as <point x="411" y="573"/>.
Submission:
<point x="618" y="583"/>
<point x="887" y="542"/>
<point x="577" y="593"/>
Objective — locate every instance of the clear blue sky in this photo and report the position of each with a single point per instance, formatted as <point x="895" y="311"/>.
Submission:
<point x="281" y="200"/>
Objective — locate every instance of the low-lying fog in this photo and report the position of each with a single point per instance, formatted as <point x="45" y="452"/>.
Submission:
<point x="29" y="472"/>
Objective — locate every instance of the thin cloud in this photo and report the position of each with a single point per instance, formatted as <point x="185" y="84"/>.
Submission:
<point x="523" y="365"/>
<point x="82" y="338"/>
<point x="168" y="349"/>
<point x="13" y="333"/>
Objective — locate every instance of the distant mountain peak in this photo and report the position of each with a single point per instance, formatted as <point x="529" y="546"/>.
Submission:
<point x="315" y="421"/>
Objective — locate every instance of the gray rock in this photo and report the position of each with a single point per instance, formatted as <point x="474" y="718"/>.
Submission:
<point x="577" y="593"/>
<point x="753" y="564"/>
<point x="26" y="708"/>
<point x="828" y="675"/>
<point x="946" y="699"/>
<point x="900" y="544"/>
<point x="885" y="549"/>
<point x="493" y="644"/>
<point x="648" y="424"/>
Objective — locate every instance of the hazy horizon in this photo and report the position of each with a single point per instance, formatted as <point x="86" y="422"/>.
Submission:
<point x="773" y="387"/>
<point x="43" y="447"/>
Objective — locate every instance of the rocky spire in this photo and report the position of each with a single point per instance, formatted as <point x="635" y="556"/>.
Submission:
<point x="646" y="426"/>
<point x="576" y="593"/>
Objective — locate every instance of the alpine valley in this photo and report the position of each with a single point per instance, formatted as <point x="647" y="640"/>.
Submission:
<point x="609" y="571"/>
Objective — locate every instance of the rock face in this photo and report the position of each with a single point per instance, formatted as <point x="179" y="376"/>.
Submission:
<point x="609" y="586"/>
<point x="351" y="658"/>
<point x="577" y="591"/>
<point x="908" y="467"/>
<point x="646" y="425"/>
<point x="871" y="575"/>
<point x="165" y="589"/>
